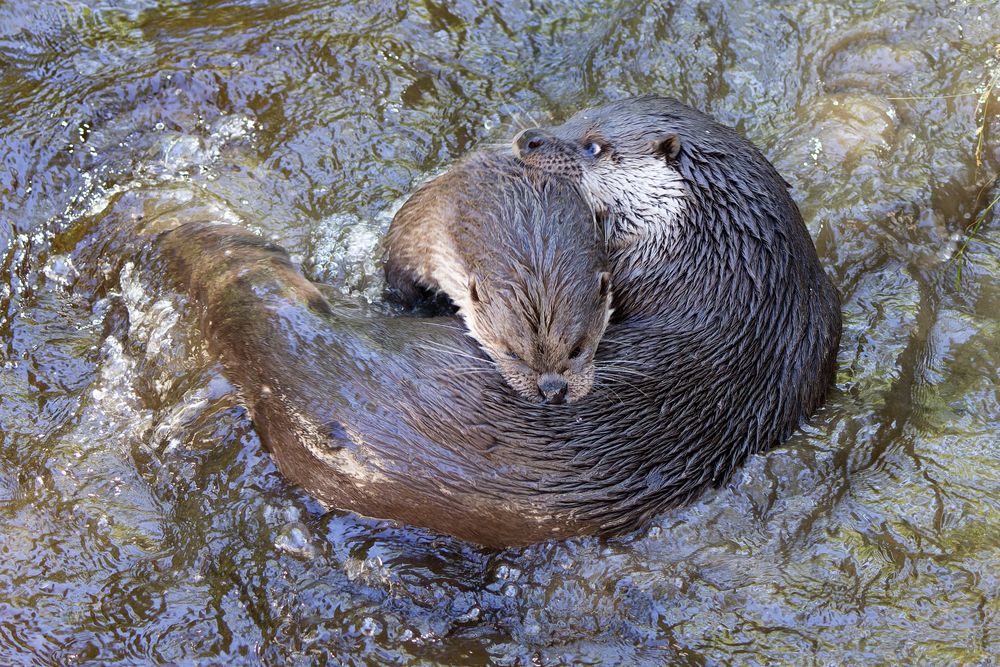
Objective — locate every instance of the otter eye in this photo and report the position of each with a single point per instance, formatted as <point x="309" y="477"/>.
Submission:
<point x="577" y="352"/>
<point x="593" y="149"/>
<point x="513" y="356"/>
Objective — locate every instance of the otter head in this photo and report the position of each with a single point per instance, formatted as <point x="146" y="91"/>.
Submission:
<point x="623" y="157"/>
<point x="542" y="328"/>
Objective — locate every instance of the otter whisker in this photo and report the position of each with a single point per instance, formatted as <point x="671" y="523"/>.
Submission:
<point x="598" y="384"/>
<point x="618" y="369"/>
<point x="441" y="346"/>
<point x="450" y="327"/>
<point x="621" y="361"/>
<point x="615" y="362"/>
<point x="522" y="114"/>
<point x="632" y="385"/>
<point x="465" y="373"/>
<point x="622" y="373"/>
<point x="454" y="351"/>
<point x="459" y="355"/>
<point x="469" y="369"/>
<point x="494" y="145"/>
<point x="627" y="371"/>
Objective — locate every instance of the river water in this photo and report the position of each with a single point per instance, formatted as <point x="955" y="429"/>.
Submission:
<point x="141" y="520"/>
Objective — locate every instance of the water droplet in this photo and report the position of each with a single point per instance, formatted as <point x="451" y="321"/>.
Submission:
<point x="469" y="616"/>
<point x="507" y="572"/>
<point x="294" y="539"/>
<point x="370" y="627"/>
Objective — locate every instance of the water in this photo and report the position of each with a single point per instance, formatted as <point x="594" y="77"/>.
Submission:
<point x="141" y="521"/>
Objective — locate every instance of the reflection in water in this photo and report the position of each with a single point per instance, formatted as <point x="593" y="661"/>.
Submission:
<point x="140" y="518"/>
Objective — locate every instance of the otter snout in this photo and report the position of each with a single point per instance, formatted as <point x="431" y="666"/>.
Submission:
<point x="553" y="388"/>
<point x="530" y="141"/>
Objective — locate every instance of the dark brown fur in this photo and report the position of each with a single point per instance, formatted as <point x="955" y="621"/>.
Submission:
<point x="730" y="336"/>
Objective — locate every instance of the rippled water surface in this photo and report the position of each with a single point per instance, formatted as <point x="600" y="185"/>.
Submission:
<point x="141" y="521"/>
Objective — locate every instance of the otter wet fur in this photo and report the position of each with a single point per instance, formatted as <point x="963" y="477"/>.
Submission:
<point x="674" y="187"/>
<point x="727" y="344"/>
<point x="519" y="253"/>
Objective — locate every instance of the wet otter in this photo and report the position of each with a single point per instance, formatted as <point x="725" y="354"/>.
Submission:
<point x="728" y="343"/>
<point x="517" y="251"/>
<point x="670" y="184"/>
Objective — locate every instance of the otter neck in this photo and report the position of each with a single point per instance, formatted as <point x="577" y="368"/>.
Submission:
<point x="645" y="230"/>
<point x="646" y="213"/>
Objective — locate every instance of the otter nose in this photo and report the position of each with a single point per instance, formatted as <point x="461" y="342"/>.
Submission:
<point x="553" y="388"/>
<point x="530" y="141"/>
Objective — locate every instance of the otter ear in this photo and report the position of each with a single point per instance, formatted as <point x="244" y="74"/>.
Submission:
<point x="604" y="283"/>
<point x="476" y="292"/>
<point x="668" y="146"/>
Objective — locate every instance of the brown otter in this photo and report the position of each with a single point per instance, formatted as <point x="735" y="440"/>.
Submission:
<point x="518" y="253"/>
<point x="666" y="179"/>
<point x="728" y="343"/>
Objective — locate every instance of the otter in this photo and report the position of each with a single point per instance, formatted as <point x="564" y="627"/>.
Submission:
<point x="519" y="254"/>
<point x="665" y="179"/>
<point x="728" y="343"/>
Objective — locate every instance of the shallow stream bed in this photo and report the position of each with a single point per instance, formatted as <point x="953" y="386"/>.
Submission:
<point x="142" y="521"/>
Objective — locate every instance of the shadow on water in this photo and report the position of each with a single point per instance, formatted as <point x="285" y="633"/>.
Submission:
<point x="140" y="518"/>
